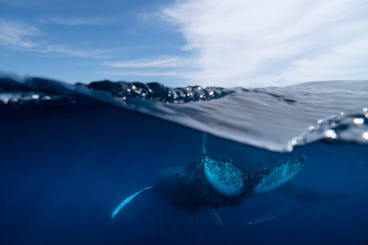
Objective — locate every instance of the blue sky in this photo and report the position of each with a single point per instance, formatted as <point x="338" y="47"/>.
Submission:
<point x="206" y="42"/>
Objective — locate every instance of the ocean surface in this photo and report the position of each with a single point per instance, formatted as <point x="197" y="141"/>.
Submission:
<point x="71" y="152"/>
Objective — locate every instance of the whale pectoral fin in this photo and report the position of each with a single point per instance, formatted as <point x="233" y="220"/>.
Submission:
<point x="272" y="177"/>
<point x="128" y="200"/>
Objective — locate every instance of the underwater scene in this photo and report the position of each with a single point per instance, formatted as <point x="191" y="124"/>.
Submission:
<point x="141" y="163"/>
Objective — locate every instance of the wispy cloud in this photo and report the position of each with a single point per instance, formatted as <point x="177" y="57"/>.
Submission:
<point x="161" y="68"/>
<point x="76" y="21"/>
<point x="256" y="43"/>
<point x="18" y="34"/>
<point x="80" y="53"/>
<point x="160" y="62"/>
<point x="164" y="73"/>
<point x="26" y="37"/>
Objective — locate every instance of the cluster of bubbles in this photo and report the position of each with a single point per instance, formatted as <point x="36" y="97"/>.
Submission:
<point x="342" y="127"/>
<point x="23" y="98"/>
<point x="16" y="92"/>
<point x="36" y="90"/>
<point x="158" y="92"/>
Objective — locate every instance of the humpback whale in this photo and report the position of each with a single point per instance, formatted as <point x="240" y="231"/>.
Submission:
<point x="211" y="182"/>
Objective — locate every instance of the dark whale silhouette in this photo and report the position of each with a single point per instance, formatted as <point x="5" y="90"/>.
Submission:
<point x="307" y="195"/>
<point x="212" y="182"/>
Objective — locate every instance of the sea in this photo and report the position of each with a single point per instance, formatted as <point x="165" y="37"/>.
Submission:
<point x="70" y="153"/>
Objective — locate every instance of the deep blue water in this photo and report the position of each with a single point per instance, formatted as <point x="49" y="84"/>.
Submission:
<point x="68" y="160"/>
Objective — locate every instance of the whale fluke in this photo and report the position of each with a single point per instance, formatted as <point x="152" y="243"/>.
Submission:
<point x="128" y="200"/>
<point x="225" y="176"/>
<point x="274" y="176"/>
<point x="211" y="182"/>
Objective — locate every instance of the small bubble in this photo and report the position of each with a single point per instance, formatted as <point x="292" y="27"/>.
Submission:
<point x="294" y="141"/>
<point x="329" y="133"/>
<point x="35" y="96"/>
<point x="365" y="135"/>
<point x="358" y="120"/>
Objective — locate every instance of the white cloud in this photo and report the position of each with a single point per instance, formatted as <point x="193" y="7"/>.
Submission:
<point x="75" y="21"/>
<point x="80" y="53"/>
<point x="26" y="37"/>
<point x="257" y="43"/>
<point x="145" y="73"/>
<point x="161" y="62"/>
<point x="17" y="34"/>
<point x="171" y="68"/>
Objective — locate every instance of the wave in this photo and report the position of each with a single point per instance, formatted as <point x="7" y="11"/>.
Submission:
<point x="273" y="118"/>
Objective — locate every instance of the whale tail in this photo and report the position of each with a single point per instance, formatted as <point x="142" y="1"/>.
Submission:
<point x="274" y="176"/>
<point x="128" y="200"/>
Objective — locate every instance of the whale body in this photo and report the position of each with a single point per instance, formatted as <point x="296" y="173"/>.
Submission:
<point x="212" y="182"/>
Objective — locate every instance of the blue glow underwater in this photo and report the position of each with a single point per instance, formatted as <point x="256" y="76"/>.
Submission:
<point x="71" y="153"/>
